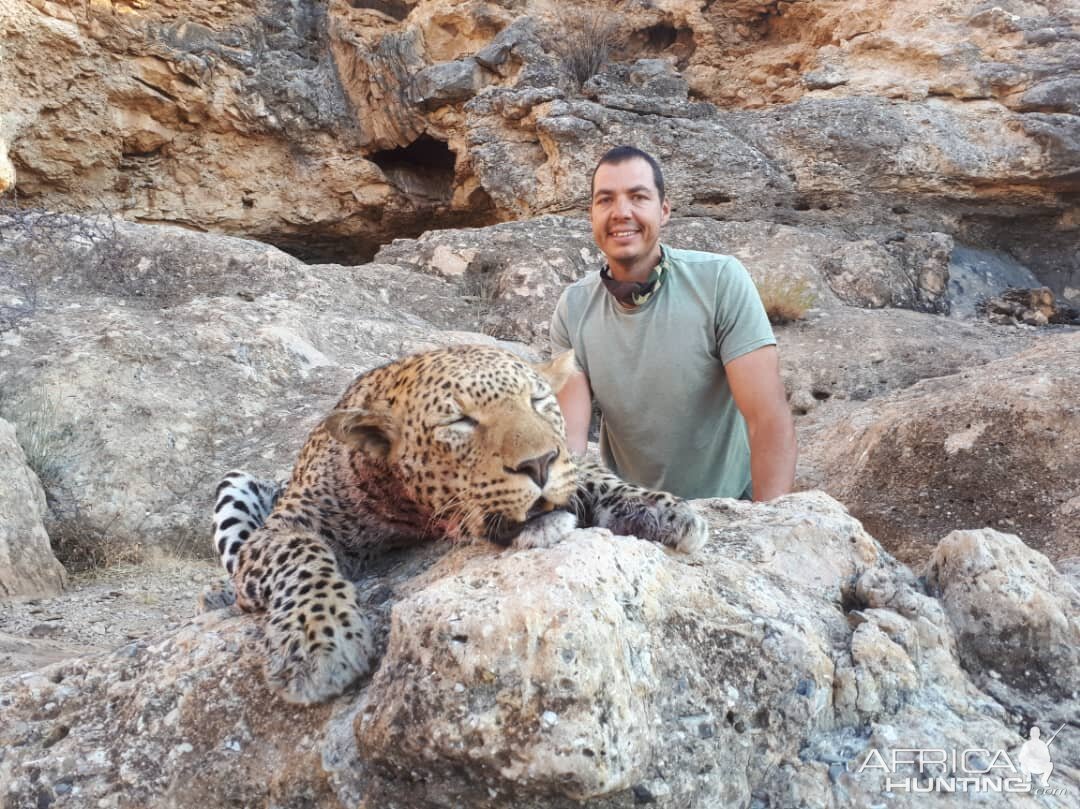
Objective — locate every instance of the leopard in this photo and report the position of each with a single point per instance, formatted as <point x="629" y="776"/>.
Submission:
<point x="459" y="444"/>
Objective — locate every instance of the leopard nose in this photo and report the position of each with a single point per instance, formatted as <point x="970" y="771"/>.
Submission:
<point x="536" y="468"/>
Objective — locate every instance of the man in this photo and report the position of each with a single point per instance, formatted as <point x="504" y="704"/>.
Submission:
<point x="677" y="349"/>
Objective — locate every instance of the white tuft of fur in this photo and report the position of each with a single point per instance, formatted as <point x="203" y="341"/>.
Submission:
<point x="695" y="535"/>
<point x="545" y="531"/>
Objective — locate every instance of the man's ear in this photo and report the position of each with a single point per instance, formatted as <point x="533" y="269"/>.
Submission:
<point x="665" y="212"/>
<point x="369" y="431"/>
<point x="558" y="369"/>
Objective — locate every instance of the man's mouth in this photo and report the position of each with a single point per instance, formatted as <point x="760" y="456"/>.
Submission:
<point x="622" y="234"/>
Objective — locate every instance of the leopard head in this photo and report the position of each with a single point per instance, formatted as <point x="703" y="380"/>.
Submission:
<point x="472" y="436"/>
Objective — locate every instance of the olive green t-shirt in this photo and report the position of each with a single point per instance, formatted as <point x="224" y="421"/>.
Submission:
<point x="669" y="421"/>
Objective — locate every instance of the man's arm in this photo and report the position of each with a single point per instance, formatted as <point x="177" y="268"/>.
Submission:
<point x="575" y="401"/>
<point x="759" y="394"/>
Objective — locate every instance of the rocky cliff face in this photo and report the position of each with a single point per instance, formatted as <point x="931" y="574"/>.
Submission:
<point x="331" y="128"/>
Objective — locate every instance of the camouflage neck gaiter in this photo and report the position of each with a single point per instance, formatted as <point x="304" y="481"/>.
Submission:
<point x="634" y="293"/>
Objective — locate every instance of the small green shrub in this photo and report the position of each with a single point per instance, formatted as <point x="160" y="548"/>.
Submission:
<point x="786" y="299"/>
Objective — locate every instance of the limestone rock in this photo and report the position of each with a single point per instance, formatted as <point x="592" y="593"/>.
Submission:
<point x="896" y="349"/>
<point x="171" y="356"/>
<point x="602" y="672"/>
<point x="975" y="275"/>
<point x="7" y="171"/>
<point x="333" y="128"/>
<point x="576" y="132"/>
<point x="992" y="446"/>
<point x="27" y="564"/>
<point x="1016" y="618"/>
<point x="229" y="119"/>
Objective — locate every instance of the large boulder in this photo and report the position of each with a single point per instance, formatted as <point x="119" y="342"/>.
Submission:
<point x="602" y="672"/>
<point x="169" y="357"/>
<point x="27" y="564"/>
<point x="997" y="445"/>
<point x="1016" y="618"/>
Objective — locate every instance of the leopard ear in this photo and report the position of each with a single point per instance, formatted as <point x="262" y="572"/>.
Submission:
<point x="370" y="432"/>
<point x="558" y="369"/>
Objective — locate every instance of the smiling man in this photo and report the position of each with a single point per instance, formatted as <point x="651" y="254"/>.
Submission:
<point x="677" y="349"/>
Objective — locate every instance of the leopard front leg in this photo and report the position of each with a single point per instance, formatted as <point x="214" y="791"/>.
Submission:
<point x="318" y="642"/>
<point x="604" y="499"/>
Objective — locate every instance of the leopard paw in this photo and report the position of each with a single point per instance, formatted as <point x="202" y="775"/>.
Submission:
<point x="688" y="531"/>
<point x="317" y="651"/>
<point x="545" y="531"/>
<point x="217" y="596"/>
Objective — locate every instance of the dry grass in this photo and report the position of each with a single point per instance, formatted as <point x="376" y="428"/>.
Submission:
<point x="584" y="40"/>
<point x="40" y="434"/>
<point x="80" y="547"/>
<point x="786" y="299"/>
<point x="38" y="245"/>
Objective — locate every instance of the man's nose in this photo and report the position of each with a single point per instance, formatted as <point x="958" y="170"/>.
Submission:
<point x="622" y="207"/>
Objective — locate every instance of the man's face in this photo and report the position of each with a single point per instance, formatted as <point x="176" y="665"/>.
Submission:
<point x="626" y="214"/>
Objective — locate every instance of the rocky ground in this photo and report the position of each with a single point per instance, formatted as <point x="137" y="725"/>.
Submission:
<point x="101" y="610"/>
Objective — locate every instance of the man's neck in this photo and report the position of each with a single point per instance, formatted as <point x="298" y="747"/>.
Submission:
<point x="637" y="272"/>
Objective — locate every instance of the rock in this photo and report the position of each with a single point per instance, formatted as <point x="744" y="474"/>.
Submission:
<point x="171" y="356"/>
<point x="1055" y="95"/>
<point x="975" y="275"/>
<point x="599" y="672"/>
<point x="27" y="564"/>
<point x="1016" y="619"/>
<point x="576" y="132"/>
<point x="447" y="83"/>
<point x="518" y="269"/>
<point x="897" y="348"/>
<point x="7" y="171"/>
<point x="234" y="120"/>
<point x="19" y="654"/>
<point x="332" y="130"/>
<point x="991" y="446"/>
<point x="1036" y="307"/>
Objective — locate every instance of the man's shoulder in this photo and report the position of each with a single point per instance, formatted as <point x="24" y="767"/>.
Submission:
<point x="584" y="285"/>
<point x="698" y="258"/>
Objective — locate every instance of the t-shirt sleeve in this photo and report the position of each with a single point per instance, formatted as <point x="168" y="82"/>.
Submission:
<point x="741" y="323"/>
<point x="559" y="332"/>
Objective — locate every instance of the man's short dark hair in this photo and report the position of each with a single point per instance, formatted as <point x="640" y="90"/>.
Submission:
<point x="620" y="154"/>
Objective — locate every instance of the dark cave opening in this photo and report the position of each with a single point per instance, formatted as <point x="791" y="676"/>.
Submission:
<point x="423" y="169"/>
<point x="664" y="39"/>
<point x="395" y="9"/>
<point x="429" y="175"/>
<point x="660" y="37"/>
